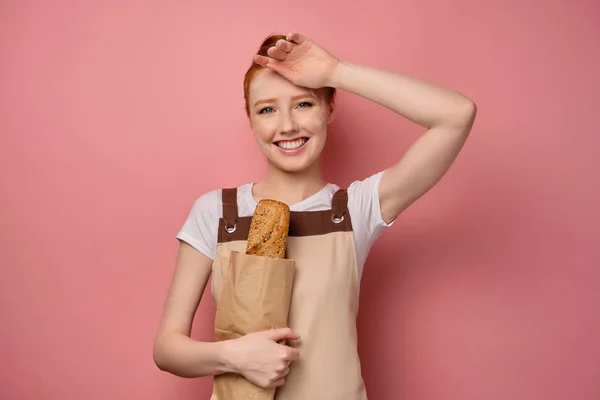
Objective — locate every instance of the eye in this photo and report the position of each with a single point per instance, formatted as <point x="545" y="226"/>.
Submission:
<point x="305" y="104"/>
<point x="266" y="110"/>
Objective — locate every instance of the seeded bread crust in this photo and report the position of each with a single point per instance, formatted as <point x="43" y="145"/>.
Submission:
<point x="269" y="229"/>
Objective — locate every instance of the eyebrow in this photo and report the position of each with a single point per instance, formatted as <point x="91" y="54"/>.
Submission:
<point x="298" y="97"/>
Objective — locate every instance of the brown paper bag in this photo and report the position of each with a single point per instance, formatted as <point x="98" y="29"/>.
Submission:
<point x="256" y="296"/>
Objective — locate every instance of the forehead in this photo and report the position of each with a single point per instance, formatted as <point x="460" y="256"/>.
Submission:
<point x="269" y="84"/>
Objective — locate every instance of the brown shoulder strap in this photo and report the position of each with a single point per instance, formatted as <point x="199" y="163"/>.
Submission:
<point x="230" y="208"/>
<point x="339" y="203"/>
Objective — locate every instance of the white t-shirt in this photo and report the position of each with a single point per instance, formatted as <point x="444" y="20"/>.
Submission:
<point x="201" y="227"/>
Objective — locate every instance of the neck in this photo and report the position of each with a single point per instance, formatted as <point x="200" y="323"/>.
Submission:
<point x="289" y="187"/>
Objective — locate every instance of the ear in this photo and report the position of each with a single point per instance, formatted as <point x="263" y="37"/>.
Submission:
<point x="332" y="113"/>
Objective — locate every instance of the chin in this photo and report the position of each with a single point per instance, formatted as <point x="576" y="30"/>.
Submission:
<point x="292" y="167"/>
<point x="292" y="164"/>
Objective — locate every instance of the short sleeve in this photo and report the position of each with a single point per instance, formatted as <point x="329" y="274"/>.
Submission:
<point x="200" y="228"/>
<point x="364" y="195"/>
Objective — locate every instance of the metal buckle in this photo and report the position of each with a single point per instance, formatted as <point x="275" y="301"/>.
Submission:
<point x="337" y="220"/>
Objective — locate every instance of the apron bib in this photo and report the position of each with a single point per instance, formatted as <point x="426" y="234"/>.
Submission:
<point x="324" y="297"/>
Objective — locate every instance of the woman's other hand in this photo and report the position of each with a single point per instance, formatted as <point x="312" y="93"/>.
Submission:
<point x="301" y="61"/>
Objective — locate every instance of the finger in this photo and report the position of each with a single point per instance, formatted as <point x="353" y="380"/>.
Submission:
<point x="284" y="45"/>
<point x="295" y="37"/>
<point x="277" y="53"/>
<point x="261" y="60"/>
<point x="282" y="334"/>
<point x="292" y="354"/>
<point x="274" y="65"/>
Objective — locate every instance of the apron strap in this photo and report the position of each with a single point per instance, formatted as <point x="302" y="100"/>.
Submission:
<point x="230" y="209"/>
<point x="339" y="204"/>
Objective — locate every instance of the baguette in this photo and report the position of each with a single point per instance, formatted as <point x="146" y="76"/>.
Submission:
<point x="269" y="229"/>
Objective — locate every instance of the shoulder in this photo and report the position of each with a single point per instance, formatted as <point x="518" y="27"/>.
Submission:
<point x="208" y="203"/>
<point x="367" y="187"/>
<point x="211" y="203"/>
<point x="364" y="204"/>
<point x="200" y="229"/>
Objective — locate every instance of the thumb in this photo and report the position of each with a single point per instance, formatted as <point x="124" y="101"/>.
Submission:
<point x="282" y="334"/>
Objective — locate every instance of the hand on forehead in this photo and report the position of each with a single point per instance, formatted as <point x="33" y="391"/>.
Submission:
<point x="269" y="84"/>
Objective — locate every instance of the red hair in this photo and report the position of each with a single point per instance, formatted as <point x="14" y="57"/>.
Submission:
<point x="269" y="42"/>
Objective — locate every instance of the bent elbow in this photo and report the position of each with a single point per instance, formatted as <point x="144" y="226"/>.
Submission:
<point x="468" y="112"/>
<point x="462" y="116"/>
<point x="158" y="355"/>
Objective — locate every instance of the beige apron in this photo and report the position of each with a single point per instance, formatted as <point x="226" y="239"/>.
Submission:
<point x="324" y="299"/>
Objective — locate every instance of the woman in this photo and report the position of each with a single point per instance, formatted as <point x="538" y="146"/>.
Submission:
<point x="289" y="92"/>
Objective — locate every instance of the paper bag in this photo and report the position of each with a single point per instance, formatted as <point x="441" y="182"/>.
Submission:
<point x="255" y="297"/>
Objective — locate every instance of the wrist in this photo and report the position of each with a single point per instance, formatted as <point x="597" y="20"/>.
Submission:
<point x="228" y="356"/>
<point x="337" y="75"/>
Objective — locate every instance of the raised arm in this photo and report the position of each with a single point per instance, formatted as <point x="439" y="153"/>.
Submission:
<point x="447" y="115"/>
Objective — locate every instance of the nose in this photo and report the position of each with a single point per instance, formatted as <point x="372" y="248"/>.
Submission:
<point x="287" y="123"/>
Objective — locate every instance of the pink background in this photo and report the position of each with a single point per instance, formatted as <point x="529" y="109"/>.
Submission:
<point x="116" y="115"/>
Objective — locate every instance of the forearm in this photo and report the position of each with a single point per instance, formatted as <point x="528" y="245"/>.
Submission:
<point x="422" y="102"/>
<point x="180" y="355"/>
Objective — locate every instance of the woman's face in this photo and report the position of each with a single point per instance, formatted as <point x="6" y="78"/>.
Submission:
<point x="289" y="121"/>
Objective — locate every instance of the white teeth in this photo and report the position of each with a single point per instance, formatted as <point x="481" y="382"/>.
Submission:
<point x="292" y="145"/>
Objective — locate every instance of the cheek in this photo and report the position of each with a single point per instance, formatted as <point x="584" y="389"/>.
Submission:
<point x="263" y="130"/>
<point x="315" y="123"/>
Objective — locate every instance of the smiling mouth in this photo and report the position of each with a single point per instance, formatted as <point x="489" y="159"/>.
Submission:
<point x="292" y="144"/>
